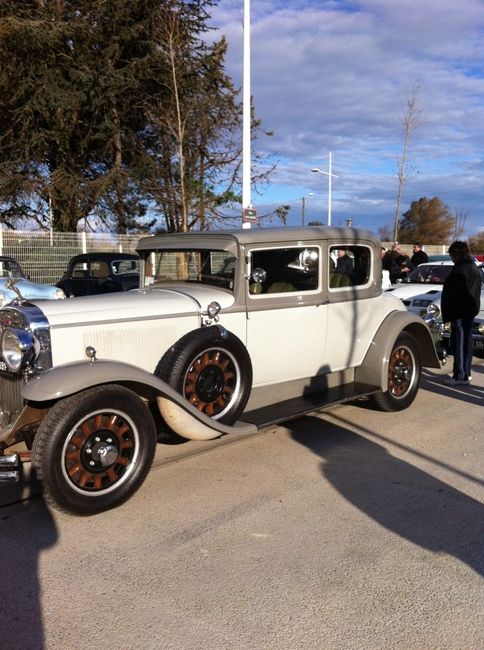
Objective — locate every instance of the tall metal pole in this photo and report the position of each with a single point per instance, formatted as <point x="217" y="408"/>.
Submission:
<point x="329" y="190"/>
<point x="246" y="189"/>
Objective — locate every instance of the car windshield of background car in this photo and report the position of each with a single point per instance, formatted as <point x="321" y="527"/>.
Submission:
<point x="213" y="267"/>
<point x="9" y="269"/>
<point x="429" y="274"/>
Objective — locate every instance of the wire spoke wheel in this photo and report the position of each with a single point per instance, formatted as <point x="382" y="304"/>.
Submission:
<point x="212" y="382"/>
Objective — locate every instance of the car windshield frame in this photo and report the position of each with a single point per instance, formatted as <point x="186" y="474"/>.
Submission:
<point x="10" y="269"/>
<point x="214" y="267"/>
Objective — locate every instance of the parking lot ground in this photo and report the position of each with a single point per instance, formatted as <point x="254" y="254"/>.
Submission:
<point x="343" y="530"/>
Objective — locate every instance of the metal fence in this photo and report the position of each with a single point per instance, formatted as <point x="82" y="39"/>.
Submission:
<point x="44" y="255"/>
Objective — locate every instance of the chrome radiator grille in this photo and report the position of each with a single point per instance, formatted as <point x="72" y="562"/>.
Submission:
<point x="10" y="398"/>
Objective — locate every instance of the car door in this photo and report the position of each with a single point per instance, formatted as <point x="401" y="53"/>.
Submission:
<point x="286" y="313"/>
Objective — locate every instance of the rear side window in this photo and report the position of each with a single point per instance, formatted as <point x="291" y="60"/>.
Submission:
<point x="349" y="266"/>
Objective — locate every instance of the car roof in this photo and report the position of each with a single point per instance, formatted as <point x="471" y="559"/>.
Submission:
<point x="229" y="238"/>
<point x="85" y="257"/>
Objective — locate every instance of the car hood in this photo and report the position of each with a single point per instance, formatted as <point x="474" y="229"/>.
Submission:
<point x="408" y="290"/>
<point x="136" y="304"/>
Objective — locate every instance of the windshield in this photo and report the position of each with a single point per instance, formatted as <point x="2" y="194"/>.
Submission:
<point x="430" y="274"/>
<point x="10" y="269"/>
<point x="212" y="267"/>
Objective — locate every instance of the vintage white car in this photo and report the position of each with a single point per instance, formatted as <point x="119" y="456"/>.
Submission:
<point x="228" y="329"/>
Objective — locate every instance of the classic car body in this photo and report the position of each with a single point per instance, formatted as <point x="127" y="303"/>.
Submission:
<point x="228" y="329"/>
<point x="97" y="272"/>
<point x="14" y="281"/>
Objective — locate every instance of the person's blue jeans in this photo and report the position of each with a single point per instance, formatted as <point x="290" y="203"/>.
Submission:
<point x="461" y="333"/>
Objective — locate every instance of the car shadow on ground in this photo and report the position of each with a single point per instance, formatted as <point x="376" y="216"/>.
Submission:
<point x="26" y="529"/>
<point x="397" y="495"/>
<point x="471" y="393"/>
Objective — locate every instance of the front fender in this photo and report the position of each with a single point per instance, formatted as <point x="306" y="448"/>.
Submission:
<point x="186" y="420"/>
<point x="374" y="369"/>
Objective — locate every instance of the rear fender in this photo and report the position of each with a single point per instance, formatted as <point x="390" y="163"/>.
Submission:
<point x="184" y="418"/>
<point x="374" y="369"/>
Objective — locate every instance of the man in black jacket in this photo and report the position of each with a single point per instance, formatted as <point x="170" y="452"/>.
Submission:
<point x="419" y="256"/>
<point x="461" y="298"/>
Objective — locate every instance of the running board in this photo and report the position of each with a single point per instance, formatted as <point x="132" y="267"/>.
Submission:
<point x="297" y="406"/>
<point x="10" y="468"/>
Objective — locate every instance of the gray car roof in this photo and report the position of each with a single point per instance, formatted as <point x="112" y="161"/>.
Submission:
<point x="227" y="238"/>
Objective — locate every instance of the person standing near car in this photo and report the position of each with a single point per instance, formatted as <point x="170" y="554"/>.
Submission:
<point x="419" y="256"/>
<point x="460" y="303"/>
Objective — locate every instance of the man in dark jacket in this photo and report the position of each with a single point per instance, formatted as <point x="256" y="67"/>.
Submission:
<point x="419" y="256"/>
<point x="461" y="298"/>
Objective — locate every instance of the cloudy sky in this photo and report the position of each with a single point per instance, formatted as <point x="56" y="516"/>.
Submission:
<point x="336" y="75"/>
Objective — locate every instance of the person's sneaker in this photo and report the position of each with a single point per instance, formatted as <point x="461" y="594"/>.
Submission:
<point x="450" y="381"/>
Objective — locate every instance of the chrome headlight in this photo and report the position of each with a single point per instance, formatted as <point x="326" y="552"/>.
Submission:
<point x="433" y="310"/>
<point x="480" y="328"/>
<point x="19" y="348"/>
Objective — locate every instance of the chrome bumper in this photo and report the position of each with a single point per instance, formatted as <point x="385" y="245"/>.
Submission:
<point x="10" y="468"/>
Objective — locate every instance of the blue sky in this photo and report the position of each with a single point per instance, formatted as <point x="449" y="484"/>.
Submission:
<point x="335" y="76"/>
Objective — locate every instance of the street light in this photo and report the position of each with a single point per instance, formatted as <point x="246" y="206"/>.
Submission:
<point x="303" y="206"/>
<point x="329" y="174"/>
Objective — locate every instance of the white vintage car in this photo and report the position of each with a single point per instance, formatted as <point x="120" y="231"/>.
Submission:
<point x="229" y="328"/>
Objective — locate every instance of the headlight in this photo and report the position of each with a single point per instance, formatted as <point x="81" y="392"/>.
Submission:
<point x="19" y="348"/>
<point x="446" y="327"/>
<point x="480" y="328"/>
<point x="433" y="310"/>
<point x="58" y="294"/>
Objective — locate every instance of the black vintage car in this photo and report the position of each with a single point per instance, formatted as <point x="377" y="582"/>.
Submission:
<point x="92" y="273"/>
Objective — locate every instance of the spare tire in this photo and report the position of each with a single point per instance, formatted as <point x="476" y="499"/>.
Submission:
<point x="211" y="368"/>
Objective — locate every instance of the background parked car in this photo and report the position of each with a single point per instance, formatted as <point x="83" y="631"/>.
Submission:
<point x="10" y="269"/>
<point x="419" y="303"/>
<point x="441" y="331"/>
<point x="92" y="273"/>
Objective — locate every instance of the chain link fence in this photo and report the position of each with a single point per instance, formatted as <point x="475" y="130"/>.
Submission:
<point x="44" y="255"/>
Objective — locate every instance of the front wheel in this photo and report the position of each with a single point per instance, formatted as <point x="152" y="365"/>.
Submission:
<point x="404" y="370"/>
<point x="94" y="449"/>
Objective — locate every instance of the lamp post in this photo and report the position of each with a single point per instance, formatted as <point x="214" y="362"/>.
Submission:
<point x="330" y="175"/>
<point x="246" y="180"/>
<point x="303" y="207"/>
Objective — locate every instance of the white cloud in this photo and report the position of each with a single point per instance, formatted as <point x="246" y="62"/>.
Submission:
<point x="336" y="76"/>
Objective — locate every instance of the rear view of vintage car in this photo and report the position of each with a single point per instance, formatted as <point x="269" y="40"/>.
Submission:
<point x="229" y="329"/>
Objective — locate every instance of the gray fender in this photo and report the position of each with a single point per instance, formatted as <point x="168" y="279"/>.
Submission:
<point x="374" y="369"/>
<point x="181" y="416"/>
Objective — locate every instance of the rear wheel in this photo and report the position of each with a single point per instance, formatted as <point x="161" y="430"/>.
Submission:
<point x="404" y="370"/>
<point x="94" y="449"/>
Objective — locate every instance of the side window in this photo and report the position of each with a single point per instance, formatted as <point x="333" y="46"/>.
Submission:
<point x="349" y="266"/>
<point x="284" y="270"/>
<point x="79" y="270"/>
